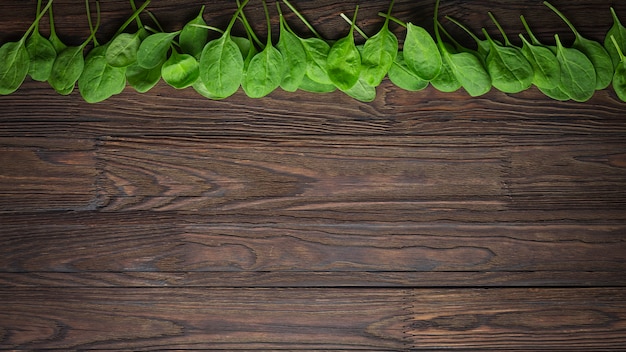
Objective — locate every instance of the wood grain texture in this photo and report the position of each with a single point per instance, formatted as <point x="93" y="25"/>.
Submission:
<point x="419" y="221"/>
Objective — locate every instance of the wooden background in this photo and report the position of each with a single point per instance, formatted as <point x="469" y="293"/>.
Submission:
<point x="422" y="220"/>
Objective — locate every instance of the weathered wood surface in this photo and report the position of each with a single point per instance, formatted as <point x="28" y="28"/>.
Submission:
<point x="422" y="220"/>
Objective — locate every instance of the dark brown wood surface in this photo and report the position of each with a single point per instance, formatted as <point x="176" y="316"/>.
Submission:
<point x="420" y="221"/>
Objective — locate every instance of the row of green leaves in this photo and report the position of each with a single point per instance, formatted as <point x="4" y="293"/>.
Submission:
<point x="217" y="68"/>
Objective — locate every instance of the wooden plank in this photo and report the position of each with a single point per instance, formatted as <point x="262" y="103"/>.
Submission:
<point x="506" y="254"/>
<point x="47" y="174"/>
<point x="143" y="174"/>
<point x="140" y="319"/>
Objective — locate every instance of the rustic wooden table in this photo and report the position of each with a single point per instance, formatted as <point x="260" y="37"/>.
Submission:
<point x="422" y="220"/>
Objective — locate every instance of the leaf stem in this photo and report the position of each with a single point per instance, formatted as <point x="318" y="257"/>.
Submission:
<point x="154" y="19"/>
<point x="463" y="27"/>
<point x="251" y="34"/>
<point x="132" y="18"/>
<point x="560" y="14"/>
<point x="622" y="58"/>
<point x="359" y="30"/>
<point x="90" y="22"/>
<point x="533" y="39"/>
<point x="37" y="19"/>
<point x="306" y="23"/>
<point x="506" y="39"/>
<point x="392" y="19"/>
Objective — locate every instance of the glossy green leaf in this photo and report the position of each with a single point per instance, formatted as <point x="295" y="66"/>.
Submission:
<point x="180" y="70"/>
<point x="402" y="76"/>
<point x="344" y="61"/>
<point x="309" y="85"/>
<point x="294" y="57"/>
<point x="153" y="50"/>
<point x="420" y="52"/>
<point x="41" y="54"/>
<point x="546" y="69"/>
<point x="317" y="54"/>
<point x="596" y="53"/>
<point x="361" y="91"/>
<point x="122" y="50"/>
<point x="193" y="36"/>
<point x="379" y="54"/>
<point x="578" y="76"/>
<point x="618" y="31"/>
<point x="99" y="80"/>
<point x="142" y="79"/>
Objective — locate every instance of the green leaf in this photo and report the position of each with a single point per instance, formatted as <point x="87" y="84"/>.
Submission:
<point x="344" y="61"/>
<point x="618" y="31"/>
<point x="294" y="56"/>
<point x="66" y="69"/>
<point x="578" y="76"/>
<point x="446" y="80"/>
<point x="309" y="85"/>
<point x="14" y="68"/>
<point x="122" y="50"/>
<point x="264" y="73"/>
<point x="361" y="91"/>
<point x="619" y="78"/>
<point x="555" y="93"/>
<point x="180" y="70"/>
<point x="153" y="50"/>
<point x="221" y="63"/>
<point x="509" y="70"/>
<point x="99" y="80"/>
<point x="420" y="52"/>
<point x="317" y="54"/>
<point x="378" y="54"/>
<point x="192" y="37"/>
<point x="142" y="79"/>
<point x="402" y="76"/>
<point x="546" y="69"/>
<point x="42" y="55"/>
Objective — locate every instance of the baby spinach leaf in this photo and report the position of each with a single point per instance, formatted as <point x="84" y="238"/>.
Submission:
<point x="180" y="70"/>
<point x="99" y="80"/>
<point x="578" y="76"/>
<point x="600" y="58"/>
<point x="122" y="50"/>
<point x="446" y="80"/>
<point x="194" y="36"/>
<point x="344" y="60"/>
<point x="619" y="78"/>
<point x="142" y="79"/>
<point x="69" y="63"/>
<point x="555" y="93"/>
<point x="481" y="44"/>
<point x="546" y="69"/>
<point x="153" y="50"/>
<point x="15" y="59"/>
<point x="402" y="76"/>
<point x="379" y="53"/>
<point x="266" y="69"/>
<point x="309" y="85"/>
<point x="618" y="31"/>
<point x="466" y="67"/>
<point x="509" y="70"/>
<point x="361" y="91"/>
<point x="41" y="53"/>
<point x="221" y="63"/>
<point x="420" y="52"/>
<point x="317" y="54"/>
<point x="294" y="55"/>
<point x="54" y="38"/>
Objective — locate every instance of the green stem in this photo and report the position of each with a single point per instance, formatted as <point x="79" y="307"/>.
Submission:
<point x="306" y="23"/>
<point x="388" y="13"/>
<point x="506" y="39"/>
<point x="347" y="19"/>
<point x="269" y="24"/>
<point x="138" y="19"/>
<point x="132" y="18"/>
<point x="37" y="19"/>
<point x="447" y="34"/>
<point x="211" y="28"/>
<point x="92" y="36"/>
<point x="392" y="19"/>
<point x="156" y="21"/>
<point x="90" y="22"/>
<point x="356" y="10"/>
<point x="533" y="39"/>
<point x="560" y="14"/>
<point x="251" y="34"/>
<point x="622" y="58"/>
<point x="470" y="33"/>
